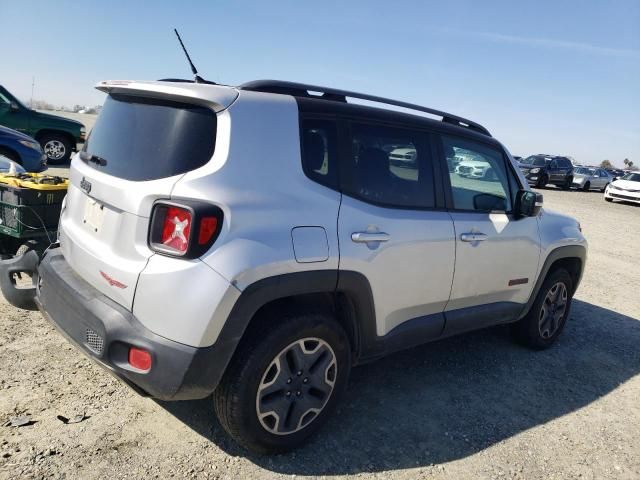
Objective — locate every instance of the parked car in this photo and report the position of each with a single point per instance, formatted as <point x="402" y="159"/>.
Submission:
<point x="589" y="178"/>
<point x="475" y="168"/>
<point x="58" y="136"/>
<point x="404" y="156"/>
<point x="541" y="170"/>
<point x="615" y="173"/>
<point x="261" y="275"/>
<point x="7" y="165"/>
<point x="22" y="149"/>
<point x="625" y="188"/>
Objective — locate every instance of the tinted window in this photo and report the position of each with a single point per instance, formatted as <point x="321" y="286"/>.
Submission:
<point x="480" y="180"/>
<point x="390" y="166"/>
<point x="319" y="151"/>
<point x="146" y="139"/>
<point x="534" y="160"/>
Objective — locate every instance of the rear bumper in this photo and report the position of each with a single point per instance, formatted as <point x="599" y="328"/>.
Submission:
<point x="105" y="331"/>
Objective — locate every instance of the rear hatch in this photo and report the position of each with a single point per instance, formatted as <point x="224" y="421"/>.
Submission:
<point x="138" y="149"/>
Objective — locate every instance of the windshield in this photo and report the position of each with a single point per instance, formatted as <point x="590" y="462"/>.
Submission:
<point x="632" y="177"/>
<point x="534" y="160"/>
<point x="584" y="171"/>
<point x="139" y="138"/>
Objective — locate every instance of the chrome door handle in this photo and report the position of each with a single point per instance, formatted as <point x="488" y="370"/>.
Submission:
<point x="473" y="237"/>
<point x="366" y="237"/>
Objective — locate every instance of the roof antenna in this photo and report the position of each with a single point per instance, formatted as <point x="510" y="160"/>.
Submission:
<point x="197" y="78"/>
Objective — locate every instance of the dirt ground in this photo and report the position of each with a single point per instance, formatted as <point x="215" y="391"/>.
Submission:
<point x="475" y="406"/>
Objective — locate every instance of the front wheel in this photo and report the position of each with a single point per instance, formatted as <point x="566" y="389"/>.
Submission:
<point x="567" y="183"/>
<point x="545" y="320"/>
<point x="283" y="384"/>
<point x="56" y="147"/>
<point x="604" y="188"/>
<point x="542" y="181"/>
<point x="586" y="187"/>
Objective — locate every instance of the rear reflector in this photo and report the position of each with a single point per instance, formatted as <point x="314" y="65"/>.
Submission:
<point x="140" y="359"/>
<point x="208" y="227"/>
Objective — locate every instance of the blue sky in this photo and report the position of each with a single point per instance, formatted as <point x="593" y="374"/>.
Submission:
<point x="545" y="76"/>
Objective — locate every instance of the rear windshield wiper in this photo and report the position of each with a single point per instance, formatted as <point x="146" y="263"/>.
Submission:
<point x="88" y="157"/>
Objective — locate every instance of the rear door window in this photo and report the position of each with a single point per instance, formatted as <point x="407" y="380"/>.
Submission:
<point x="390" y="166"/>
<point x="146" y="139"/>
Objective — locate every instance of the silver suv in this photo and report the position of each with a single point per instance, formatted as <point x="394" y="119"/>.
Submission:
<point x="256" y="242"/>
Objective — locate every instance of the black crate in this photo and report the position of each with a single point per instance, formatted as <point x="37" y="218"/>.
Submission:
<point x="25" y="210"/>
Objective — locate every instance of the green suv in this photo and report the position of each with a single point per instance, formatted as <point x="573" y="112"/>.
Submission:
<point x="57" y="135"/>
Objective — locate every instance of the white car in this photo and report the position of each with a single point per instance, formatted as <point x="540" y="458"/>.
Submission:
<point x="474" y="169"/>
<point x="626" y="188"/>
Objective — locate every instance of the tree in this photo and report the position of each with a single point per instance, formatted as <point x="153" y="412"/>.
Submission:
<point x="626" y="162"/>
<point x="606" y="164"/>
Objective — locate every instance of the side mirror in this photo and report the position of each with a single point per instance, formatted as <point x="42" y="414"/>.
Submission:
<point x="528" y="204"/>
<point x="13" y="106"/>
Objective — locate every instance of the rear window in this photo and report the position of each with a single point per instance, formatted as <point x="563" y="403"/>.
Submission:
<point x="146" y="139"/>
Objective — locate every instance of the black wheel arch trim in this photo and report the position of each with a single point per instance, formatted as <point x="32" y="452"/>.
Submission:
<point x="560" y="253"/>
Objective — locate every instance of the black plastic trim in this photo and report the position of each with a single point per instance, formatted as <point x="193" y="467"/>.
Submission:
<point x="560" y="253"/>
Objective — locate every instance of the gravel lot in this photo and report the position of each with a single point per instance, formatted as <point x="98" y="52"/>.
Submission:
<point x="475" y="406"/>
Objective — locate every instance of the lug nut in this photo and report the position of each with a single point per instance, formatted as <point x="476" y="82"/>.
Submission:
<point x="288" y="394"/>
<point x="298" y="393"/>
<point x="289" y="381"/>
<point x="299" y="372"/>
<point x="306" y="380"/>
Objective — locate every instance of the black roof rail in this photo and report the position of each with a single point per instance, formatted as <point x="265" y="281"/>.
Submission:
<point x="182" y="80"/>
<point x="302" y="90"/>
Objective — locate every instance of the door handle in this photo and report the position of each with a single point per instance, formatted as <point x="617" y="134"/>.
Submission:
<point x="366" y="237"/>
<point x="473" y="237"/>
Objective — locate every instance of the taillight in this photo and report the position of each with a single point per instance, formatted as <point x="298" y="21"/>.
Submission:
<point x="184" y="229"/>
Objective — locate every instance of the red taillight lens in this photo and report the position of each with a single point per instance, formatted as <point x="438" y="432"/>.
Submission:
<point x="208" y="227"/>
<point x="140" y="359"/>
<point x="185" y="229"/>
<point x="176" y="228"/>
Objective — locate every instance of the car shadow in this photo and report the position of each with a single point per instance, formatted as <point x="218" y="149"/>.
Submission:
<point x="453" y="398"/>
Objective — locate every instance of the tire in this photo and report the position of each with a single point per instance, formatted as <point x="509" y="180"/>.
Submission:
<point x="57" y="148"/>
<point x="24" y="248"/>
<point x="542" y="181"/>
<point x="267" y="365"/>
<point x="607" y="199"/>
<point x="536" y="331"/>
<point x="567" y="183"/>
<point x="587" y="186"/>
<point x="604" y="188"/>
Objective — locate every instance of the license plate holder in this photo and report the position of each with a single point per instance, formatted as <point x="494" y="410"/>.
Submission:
<point x="93" y="214"/>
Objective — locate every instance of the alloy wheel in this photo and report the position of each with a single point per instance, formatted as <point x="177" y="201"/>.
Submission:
<point x="553" y="310"/>
<point x="296" y="386"/>
<point x="55" y="149"/>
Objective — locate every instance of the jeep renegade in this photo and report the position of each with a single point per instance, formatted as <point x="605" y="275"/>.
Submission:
<point x="256" y="242"/>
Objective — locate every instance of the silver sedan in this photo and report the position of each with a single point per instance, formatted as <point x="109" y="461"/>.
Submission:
<point x="586" y="178"/>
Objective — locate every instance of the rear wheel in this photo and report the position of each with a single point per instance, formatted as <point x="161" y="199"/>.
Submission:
<point x="57" y="147"/>
<point x="546" y="319"/>
<point x="567" y="183"/>
<point x="542" y="181"/>
<point x="283" y="384"/>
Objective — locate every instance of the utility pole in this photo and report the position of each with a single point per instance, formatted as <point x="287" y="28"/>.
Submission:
<point x="33" y="83"/>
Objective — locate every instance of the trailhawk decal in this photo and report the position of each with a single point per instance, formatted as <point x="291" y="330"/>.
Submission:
<point x="112" y="281"/>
